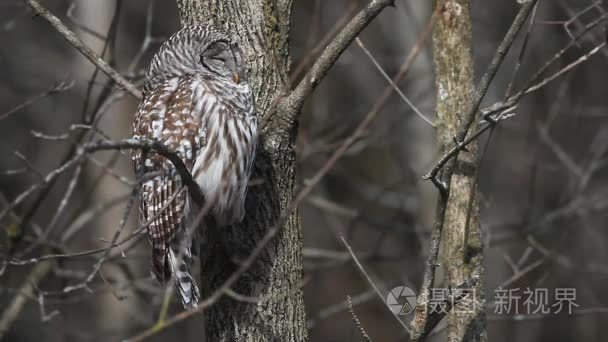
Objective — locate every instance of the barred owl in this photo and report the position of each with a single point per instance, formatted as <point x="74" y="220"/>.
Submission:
<point x="198" y="103"/>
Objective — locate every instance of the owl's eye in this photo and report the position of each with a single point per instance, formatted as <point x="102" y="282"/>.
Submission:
<point x="213" y="63"/>
<point x="218" y="58"/>
<point x="210" y="61"/>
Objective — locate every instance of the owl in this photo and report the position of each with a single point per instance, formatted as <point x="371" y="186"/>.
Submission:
<point x="198" y="103"/>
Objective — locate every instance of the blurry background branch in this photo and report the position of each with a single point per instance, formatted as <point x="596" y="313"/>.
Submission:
<point x="82" y="48"/>
<point x="292" y="104"/>
<point x="25" y="293"/>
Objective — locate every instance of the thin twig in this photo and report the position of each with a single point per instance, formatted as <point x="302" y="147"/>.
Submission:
<point x="371" y="282"/>
<point x="62" y="205"/>
<point x="101" y="250"/>
<point x="293" y="102"/>
<point x="522" y="52"/>
<point x="452" y="153"/>
<point x="422" y="325"/>
<point x="364" y="334"/>
<point x="334" y="309"/>
<point x="533" y="83"/>
<point x="97" y="267"/>
<point x="70" y="15"/>
<point x="82" y="48"/>
<point x="299" y="68"/>
<point x="109" y="44"/>
<point x="565" y="69"/>
<point x="390" y="81"/>
<point x="12" y="311"/>
<point x="158" y="147"/>
<point x="61" y="86"/>
<point x="142" y="144"/>
<point x="482" y="89"/>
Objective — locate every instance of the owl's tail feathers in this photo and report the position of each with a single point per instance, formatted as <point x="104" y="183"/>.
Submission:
<point x="166" y="261"/>
<point x="185" y="284"/>
<point x="160" y="266"/>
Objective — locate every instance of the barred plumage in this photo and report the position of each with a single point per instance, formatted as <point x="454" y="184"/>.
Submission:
<point x="196" y="102"/>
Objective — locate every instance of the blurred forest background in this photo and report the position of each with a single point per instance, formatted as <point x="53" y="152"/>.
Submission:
<point x="543" y="180"/>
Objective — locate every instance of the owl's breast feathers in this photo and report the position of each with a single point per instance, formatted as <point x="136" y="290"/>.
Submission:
<point x="212" y="125"/>
<point x="223" y="167"/>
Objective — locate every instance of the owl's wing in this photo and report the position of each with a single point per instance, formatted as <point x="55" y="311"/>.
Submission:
<point x="168" y="114"/>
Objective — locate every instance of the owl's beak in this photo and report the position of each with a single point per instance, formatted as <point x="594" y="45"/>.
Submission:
<point x="236" y="78"/>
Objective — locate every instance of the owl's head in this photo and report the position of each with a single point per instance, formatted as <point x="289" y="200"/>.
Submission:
<point x="198" y="50"/>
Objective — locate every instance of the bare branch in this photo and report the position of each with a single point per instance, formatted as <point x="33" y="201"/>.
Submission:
<point x="82" y="48"/>
<point x="97" y="267"/>
<point x="306" y="60"/>
<point x="461" y="146"/>
<point x="484" y="85"/>
<point x="142" y="144"/>
<point x="292" y="103"/>
<point x="159" y="148"/>
<point x="62" y="205"/>
<point x="566" y="69"/>
<point x="27" y="290"/>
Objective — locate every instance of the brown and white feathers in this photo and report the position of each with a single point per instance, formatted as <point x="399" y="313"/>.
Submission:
<point x="198" y="103"/>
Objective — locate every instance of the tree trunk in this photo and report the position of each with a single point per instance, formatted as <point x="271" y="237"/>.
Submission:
<point x="461" y="241"/>
<point x="262" y="28"/>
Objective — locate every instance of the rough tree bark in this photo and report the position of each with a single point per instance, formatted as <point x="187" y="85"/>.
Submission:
<point x="462" y="257"/>
<point x="458" y="105"/>
<point x="261" y="27"/>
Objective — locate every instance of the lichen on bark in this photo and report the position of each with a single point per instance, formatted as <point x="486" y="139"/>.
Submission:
<point x="461" y="256"/>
